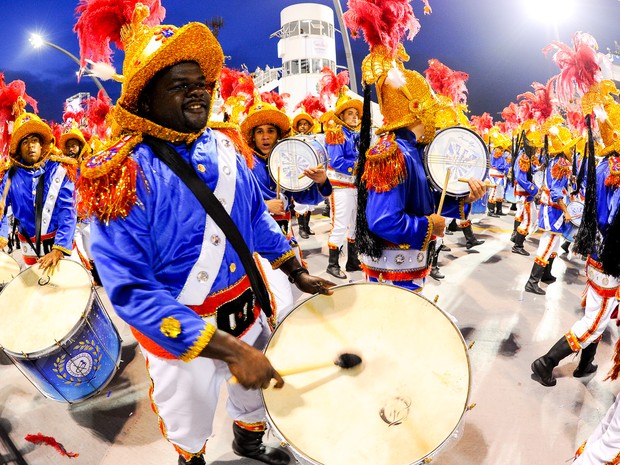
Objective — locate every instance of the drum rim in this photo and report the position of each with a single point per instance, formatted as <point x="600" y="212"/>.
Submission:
<point x="281" y="141"/>
<point x="437" y="134"/>
<point x="465" y="347"/>
<point x="19" y="268"/>
<point x="72" y="332"/>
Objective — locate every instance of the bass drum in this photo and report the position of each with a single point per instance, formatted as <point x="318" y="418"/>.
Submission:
<point x="57" y="332"/>
<point x="575" y="210"/>
<point x="291" y="156"/>
<point x="9" y="269"/>
<point x="400" y="406"/>
<point x="462" y="151"/>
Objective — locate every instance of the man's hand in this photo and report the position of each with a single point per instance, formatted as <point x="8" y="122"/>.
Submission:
<point x="477" y="189"/>
<point x="49" y="261"/>
<point x="275" y="206"/>
<point x="3" y="242"/>
<point x="318" y="175"/>
<point x="313" y="284"/>
<point x="439" y="224"/>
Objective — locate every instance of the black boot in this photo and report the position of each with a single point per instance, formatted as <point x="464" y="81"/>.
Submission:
<point x="326" y="210"/>
<point x="513" y="236"/>
<point x="94" y="273"/>
<point x="586" y="367"/>
<point x="513" y="207"/>
<point x="547" y="277"/>
<point x="307" y="224"/>
<point x="435" y="272"/>
<point x="353" y="262"/>
<point x="532" y="283"/>
<point x="471" y="239"/>
<point x="333" y="267"/>
<point x="196" y="460"/>
<point x="303" y="230"/>
<point x="250" y="444"/>
<point x="518" y="247"/>
<point x="491" y="210"/>
<point x="543" y="366"/>
<point x="498" y="208"/>
<point x="452" y="226"/>
<point x="565" y="246"/>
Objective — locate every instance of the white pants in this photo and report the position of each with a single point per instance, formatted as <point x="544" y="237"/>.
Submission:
<point x="185" y="394"/>
<point x="527" y="215"/>
<point x="82" y="239"/>
<point x="279" y="287"/>
<point x="549" y="244"/>
<point x="603" y="445"/>
<point x="496" y="194"/>
<point x="344" y="211"/>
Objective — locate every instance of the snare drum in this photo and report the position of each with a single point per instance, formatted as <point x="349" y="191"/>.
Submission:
<point x="538" y="178"/>
<point x="461" y="150"/>
<point x="400" y="406"/>
<point x="9" y="268"/>
<point x="56" y="331"/>
<point x="293" y="155"/>
<point x="575" y="210"/>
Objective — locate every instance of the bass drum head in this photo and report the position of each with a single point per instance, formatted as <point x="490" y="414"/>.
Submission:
<point x="461" y="150"/>
<point x="292" y="156"/>
<point x="538" y="178"/>
<point x="575" y="210"/>
<point x="398" y="407"/>
<point x="9" y="268"/>
<point x="36" y="313"/>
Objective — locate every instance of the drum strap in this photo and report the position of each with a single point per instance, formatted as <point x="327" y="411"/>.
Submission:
<point x="217" y="212"/>
<point x="38" y="216"/>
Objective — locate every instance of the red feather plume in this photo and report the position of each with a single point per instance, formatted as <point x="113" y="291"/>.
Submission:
<point x="330" y="84"/>
<point x="229" y="79"/>
<point x="482" y="123"/>
<point x="98" y="109"/>
<point x="312" y="105"/>
<point x="100" y="22"/>
<point x="383" y="22"/>
<point x="57" y="130"/>
<point x="576" y="119"/>
<point x="273" y="98"/>
<point x="510" y="115"/>
<point x="540" y="101"/>
<point x="579" y="66"/>
<point x="446" y="81"/>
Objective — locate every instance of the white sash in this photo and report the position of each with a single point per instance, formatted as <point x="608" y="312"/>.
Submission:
<point x="52" y="196"/>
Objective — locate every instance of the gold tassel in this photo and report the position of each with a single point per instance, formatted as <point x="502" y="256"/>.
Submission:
<point x="334" y="136"/>
<point x="524" y="163"/>
<point x="385" y="165"/>
<point x="614" y="172"/>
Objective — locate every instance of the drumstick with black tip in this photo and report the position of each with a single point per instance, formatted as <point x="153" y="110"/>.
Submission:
<point x="443" y="191"/>
<point x="486" y="183"/>
<point x="278" y="185"/>
<point x="316" y="168"/>
<point x="345" y="361"/>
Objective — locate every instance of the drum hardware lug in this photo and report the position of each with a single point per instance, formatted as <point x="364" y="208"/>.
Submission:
<point x="471" y="345"/>
<point x="436" y="299"/>
<point x="470" y="407"/>
<point x="427" y="460"/>
<point x="41" y="279"/>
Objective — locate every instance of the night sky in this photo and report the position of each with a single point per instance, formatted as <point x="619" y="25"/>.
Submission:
<point x="497" y="42"/>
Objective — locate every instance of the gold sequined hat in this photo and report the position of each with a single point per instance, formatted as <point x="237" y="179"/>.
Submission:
<point x="532" y="133"/>
<point x="301" y="116"/>
<point x="72" y="133"/>
<point x="26" y="124"/>
<point x="561" y="140"/>
<point x="264" y="113"/>
<point x="346" y="101"/>
<point x="609" y="126"/>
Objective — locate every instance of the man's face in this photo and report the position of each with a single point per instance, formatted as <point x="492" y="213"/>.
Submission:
<point x="179" y="98"/>
<point x="350" y="116"/>
<point x="303" y="126"/>
<point x="73" y="148"/>
<point x="265" y="137"/>
<point x="30" y="149"/>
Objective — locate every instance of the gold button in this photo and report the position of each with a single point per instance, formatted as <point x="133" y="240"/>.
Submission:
<point x="350" y="170"/>
<point x="232" y="267"/>
<point x="201" y="168"/>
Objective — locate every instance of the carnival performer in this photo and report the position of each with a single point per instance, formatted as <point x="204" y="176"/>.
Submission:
<point x="498" y="171"/>
<point x="169" y="269"/>
<point x="397" y="219"/>
<point x="524" y="188"/>
<point x="553" y="213"/>
<point x="40" y="193"/>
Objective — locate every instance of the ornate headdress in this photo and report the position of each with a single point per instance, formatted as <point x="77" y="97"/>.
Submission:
<point x="264" y="113"/>
<point x="451" y="91"/>
<point x="13" y="99"/>
<point x="73" y="133"/>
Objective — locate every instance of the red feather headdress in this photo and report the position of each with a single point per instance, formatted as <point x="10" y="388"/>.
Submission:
<point x="540" y="101"/>
<point x="482" y="123"/>
<point x="10" y="94"/>
<point x="330" y="84"/>
<point x="274" y="98"/>
<point x="100" y="23"/>
<point x="510" y="115"/>
<point x="98" y="109"/>
<point x="312" y="105"/>
<point x="446" y="81"/>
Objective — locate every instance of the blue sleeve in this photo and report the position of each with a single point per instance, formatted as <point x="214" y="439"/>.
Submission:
<point x="65" y="217"/>
<point x="337" y="159"/>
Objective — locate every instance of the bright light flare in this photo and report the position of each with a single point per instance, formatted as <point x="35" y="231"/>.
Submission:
<point x="36" y="40"/>
<point x="550" y="11"/>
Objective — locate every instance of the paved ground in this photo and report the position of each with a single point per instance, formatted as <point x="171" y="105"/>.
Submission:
<point x="515" y="421"/>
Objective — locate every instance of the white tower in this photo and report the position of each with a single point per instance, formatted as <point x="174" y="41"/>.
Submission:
<point x="307" y="45"/>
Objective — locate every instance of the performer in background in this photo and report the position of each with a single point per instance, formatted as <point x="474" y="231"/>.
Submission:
<point x="170" y="271"/>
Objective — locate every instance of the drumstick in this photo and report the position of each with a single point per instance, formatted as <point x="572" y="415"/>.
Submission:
<point x="345" y="361"/>
<point x="443" y="191"/>
<point x="316" y="168"/>
<point x="278" y="185"/>
<point x="486" y="183"/>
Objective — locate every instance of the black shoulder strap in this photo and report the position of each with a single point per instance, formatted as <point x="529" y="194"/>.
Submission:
<point x="216" y="211"/>
<point x="38" y="213"/>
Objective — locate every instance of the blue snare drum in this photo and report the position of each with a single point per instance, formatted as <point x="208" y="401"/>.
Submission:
<point x="57" y="332"/>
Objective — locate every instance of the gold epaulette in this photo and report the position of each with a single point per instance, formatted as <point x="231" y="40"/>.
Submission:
<point x="334" y="135"/>
<point x="561" y="169"/>
<point x="107" y="184"/>
<point x="614" y="172"/>
<point x="385" y="165"/>
<point x="524" y="163"/>
<point x="68" y="163"/>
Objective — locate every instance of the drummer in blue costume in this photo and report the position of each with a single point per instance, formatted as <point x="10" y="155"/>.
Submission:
<point x="599" y="225"/>
<point x="398" y="223"/>
<point x="524" y="188"/>
<point x="553" y="213"/>
<point x="38" y="166"/>
<point x="168" y="269"/>
<point x="499" y="170"/>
